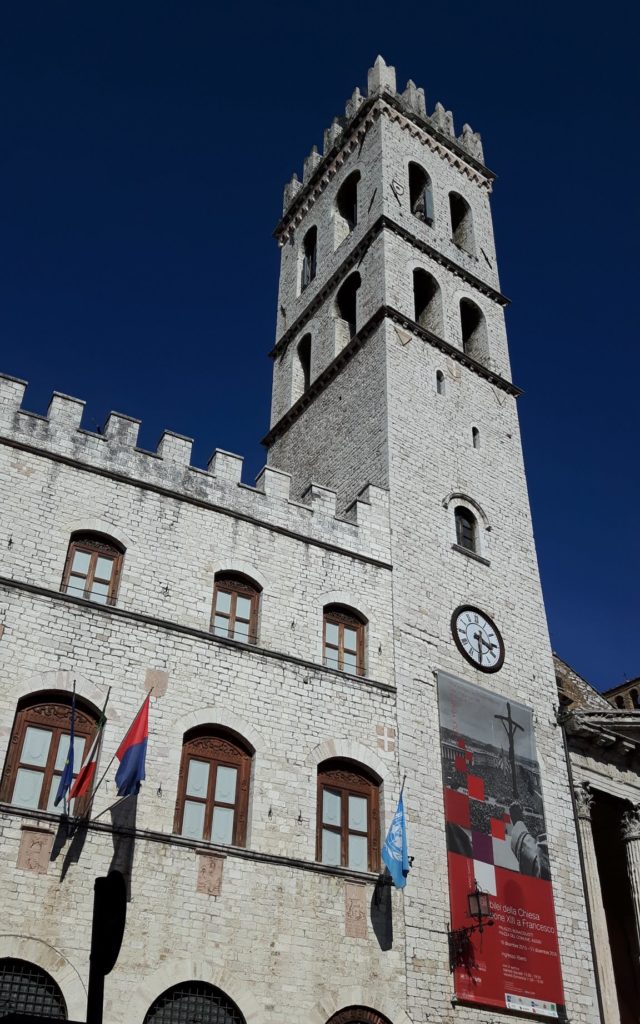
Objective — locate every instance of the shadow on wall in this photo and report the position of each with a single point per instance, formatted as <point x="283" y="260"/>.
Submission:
<point x="381" y="912"/>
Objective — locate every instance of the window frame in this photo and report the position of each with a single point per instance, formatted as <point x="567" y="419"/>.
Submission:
<point x="465" y="516"/>
<point x="348" y="779"/>
<point x="236" y="585"/>
<point x="96" y="546"/>
<point x="343" y="617"/>
<point x="50" y="712"/>
<point x="217" y="747"/>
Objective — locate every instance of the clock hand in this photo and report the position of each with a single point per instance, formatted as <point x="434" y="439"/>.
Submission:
<point x="478" y="637"/>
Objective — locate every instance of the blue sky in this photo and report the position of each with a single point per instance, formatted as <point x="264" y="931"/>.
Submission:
<point x="145" y="147"/>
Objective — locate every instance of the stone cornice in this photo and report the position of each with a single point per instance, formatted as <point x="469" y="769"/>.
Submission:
<point x="605" y="730"/>
<point x="346" y="355"/>
<point x="353" y="135"/>
<point x="355" y="257"/>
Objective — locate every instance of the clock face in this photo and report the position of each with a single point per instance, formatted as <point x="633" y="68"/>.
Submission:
<point x="478" y="638"/>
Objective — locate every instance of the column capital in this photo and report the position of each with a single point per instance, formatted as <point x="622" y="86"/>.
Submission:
<point x="584" y="800"/>
<point x="631" y="824"/>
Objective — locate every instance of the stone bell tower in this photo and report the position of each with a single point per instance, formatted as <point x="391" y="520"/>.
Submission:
<point x="391" y="367"/>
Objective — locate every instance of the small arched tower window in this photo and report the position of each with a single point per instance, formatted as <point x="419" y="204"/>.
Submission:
<point x="461" y="223"/>
<point x="343" y="641"/>
<point x="309" y="257"/>
<point x="427" y="302"/>
<point x="466" y="529"/>
<point x="236" y="602"/>
<point x="39" y="747"/>
<point x="213" y="786"/>
<point x="635" y="699"/>
<point x="475" y="437"/>
<point x="474" y="331"/>
<point x="192" y="1001"/>
<point x="26" y="989"/>
<point x="347" y="207"/>
<point x="92" y="569"/>
<point x="619" y="701"/>
<point x="440" y="382"/>
<point x="420" y="194"/>
<point x="303" y="366"/>
<point x="347" y="309"/>
<point x="348" y="830"/>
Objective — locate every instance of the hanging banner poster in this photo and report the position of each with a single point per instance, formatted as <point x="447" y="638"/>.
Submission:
<point x="496" y="838"/>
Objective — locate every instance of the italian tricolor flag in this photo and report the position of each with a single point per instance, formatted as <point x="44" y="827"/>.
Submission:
<point x="83" y="782"/>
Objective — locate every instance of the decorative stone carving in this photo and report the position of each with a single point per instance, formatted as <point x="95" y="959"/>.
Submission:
<point x="355" y="911"/>
<point x="156" y="679"/>
<point x="584" y="801"/>
<point x="209" y="880"/>
<point x="35" y="850"/>
<point x="631" y="824"/>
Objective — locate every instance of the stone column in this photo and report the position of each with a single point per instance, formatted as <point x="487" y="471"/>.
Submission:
<point x="604" y="963"/>
<point x="631" y="837"/>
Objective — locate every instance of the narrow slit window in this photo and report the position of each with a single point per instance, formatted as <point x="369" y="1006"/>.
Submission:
<point x="309" y="257"/>
<point x="475" y="437"/>
<point x="440" y="382"/>
<point x="347" y="201"/>
<point x="346" y="303"/>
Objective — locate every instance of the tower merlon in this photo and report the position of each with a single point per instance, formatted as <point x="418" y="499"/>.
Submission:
<point x="226" y="466"/>
<point x="381" y="78"/>
<point x="310" y="164"/>
<point x="175" y="447"/>
<point x="121" y="429"/>
<point x="274" y="483"/>
<point x="321" y="499"/>
<point x="65" y="411"/>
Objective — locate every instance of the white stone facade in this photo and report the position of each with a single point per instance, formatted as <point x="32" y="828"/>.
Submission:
<point x="355" y="507"/>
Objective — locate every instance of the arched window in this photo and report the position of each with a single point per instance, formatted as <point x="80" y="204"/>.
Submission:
<point x="39" y="747"/>
<point x="26" y="989"/>
<point x="191" y="1002"/>
<point x="420" y="194"/>
<point x="347" y="203"/>
<point x="466" y="528"/>
<point x="475" y="437"/>
<point x="474" y="331"/>
<point x="440" y="382"/>
<point x="358" y="1015"/>
<point x="213" y="786"/>
<point x="343" y="640"/>
<point x="461" y="223"/>
<point x="635" y="700"/>
<point x="619" y="701"/>
<point x="303" y="353"/>
<point x="346" y="306"/>
<point x="348" y="831"/>
<point x="236" y="601"/>
<point x="427" y="301"/>
<point x="93" y="567"/>
<point x="309" y="257"/>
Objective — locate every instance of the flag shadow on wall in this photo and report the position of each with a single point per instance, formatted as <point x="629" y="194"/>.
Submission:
<point x="381" y="912"/>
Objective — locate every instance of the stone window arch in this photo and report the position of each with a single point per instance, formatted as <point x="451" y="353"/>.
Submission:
<point x="213" y="786"/>
<point x="420" y="193"/>
<point x="38" y="749"/>
<point x="93" y="567"/>
<point x="462" y="231"/>
<point x="309" y="257"/>
<point x="346" y="209"/>
<point x="26" y="989"/>
<point x="427" y="301"/>
<point x="348" y="818"/>
<point x="343" y="639"/>
<point x="236" y="606"/>
<point x="346" y="309"/>
<point x="358" y="1015"/>
<point x="192" y="1001"/>
<point x="473" y="327"/>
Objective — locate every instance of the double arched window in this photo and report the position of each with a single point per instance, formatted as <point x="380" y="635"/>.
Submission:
<point x="348" y="828"/>
<point x="343" y="639"/>
<point x="26" y="989"/>
<point x="191" y="1002"/>
<point x="213" y="787"/>
<point x="93" y="566"/>
<point x="39" y="747"/>
<point x="236" y="603"/>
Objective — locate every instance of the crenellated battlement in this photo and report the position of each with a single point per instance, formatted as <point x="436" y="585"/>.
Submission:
<point x="362" y="527"/>
<point x="381" y="81"/>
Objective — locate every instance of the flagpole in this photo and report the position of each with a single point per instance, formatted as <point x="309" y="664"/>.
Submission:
<point x="123" y="740"/>
<point x="65" y="802"/>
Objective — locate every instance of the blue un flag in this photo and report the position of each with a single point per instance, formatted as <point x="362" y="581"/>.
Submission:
<point x="394" y="852"/>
